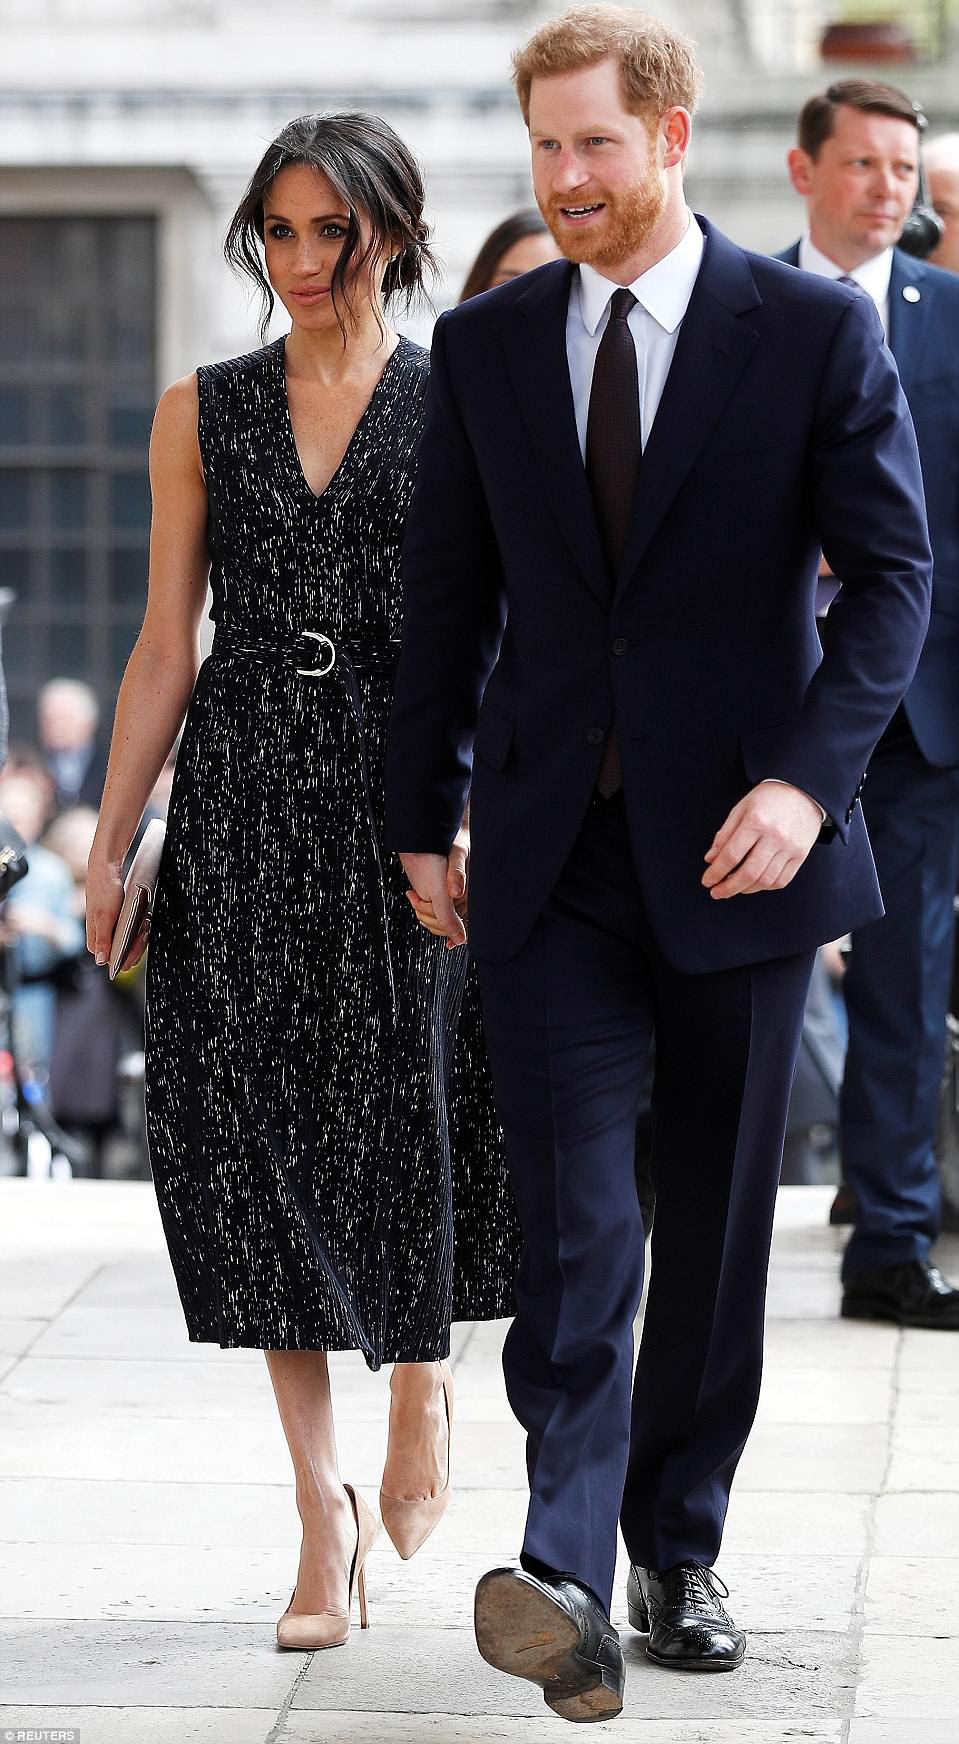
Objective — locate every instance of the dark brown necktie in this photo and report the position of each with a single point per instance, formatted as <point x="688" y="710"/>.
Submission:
<point x="613" y="453"/>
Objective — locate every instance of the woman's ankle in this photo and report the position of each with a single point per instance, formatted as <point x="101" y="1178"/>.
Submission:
<point x="321" y="1498"/>
<point x="417" y="1380"/>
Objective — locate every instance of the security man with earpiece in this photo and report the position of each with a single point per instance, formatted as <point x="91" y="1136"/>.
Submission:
<point x="857" y="166"/>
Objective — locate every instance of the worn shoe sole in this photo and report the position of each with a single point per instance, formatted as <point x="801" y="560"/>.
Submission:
<point x="522" y="1631"/>
<point x="870" y="1308"/>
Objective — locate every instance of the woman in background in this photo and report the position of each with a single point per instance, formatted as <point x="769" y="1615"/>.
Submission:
<point x="516" y="246"/>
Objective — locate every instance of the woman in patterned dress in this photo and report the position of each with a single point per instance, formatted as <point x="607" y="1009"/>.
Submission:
<point x="327" y="1161"/>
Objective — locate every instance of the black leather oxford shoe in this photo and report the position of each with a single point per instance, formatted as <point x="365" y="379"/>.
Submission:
<point x="554" y="1633"/>
<point x="680" y="1609"/>
<point x="912" y="1294"/>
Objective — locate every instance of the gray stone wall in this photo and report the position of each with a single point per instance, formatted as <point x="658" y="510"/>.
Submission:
<point x="165" y="105"/>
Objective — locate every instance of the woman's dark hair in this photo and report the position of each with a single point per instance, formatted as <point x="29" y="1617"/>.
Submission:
<point x="373" y="173"/>
<point x="499" y="242"/>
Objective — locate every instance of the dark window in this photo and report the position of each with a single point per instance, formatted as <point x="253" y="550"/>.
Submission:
<point x="77" y="390"/>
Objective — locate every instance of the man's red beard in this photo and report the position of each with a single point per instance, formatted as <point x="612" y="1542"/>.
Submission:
<point x="628" y="220"/>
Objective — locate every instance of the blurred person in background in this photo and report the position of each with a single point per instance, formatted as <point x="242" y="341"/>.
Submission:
<point x="98" y="1022"/>
<point x="516" y="246"/>
<point x="68" y="716"/>
<point x="941" y="159"/>
<point x="856" y="165"/>
<point x="322" y="1187"/>
<point x="29" y="762"/>
<point x="41" y="930"/>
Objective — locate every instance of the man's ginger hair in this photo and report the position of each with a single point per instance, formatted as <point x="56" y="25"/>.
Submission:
<point x="657" y="66"/>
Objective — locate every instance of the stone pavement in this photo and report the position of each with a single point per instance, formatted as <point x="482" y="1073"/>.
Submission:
<point x="148" y="1538"/>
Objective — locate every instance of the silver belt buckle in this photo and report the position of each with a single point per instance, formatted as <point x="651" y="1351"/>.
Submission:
<point x="318" y="671"/>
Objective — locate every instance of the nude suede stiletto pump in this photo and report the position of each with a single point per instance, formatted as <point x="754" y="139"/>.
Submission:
<point x="409" y="1522"/>
<point x="306" y="1633"/>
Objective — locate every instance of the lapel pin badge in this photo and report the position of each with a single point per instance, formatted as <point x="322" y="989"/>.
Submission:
<point x="911" y="294"/>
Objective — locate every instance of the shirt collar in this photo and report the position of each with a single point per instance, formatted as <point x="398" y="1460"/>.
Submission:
<point x="664" y="291"/>
<point x="872" y="276"/>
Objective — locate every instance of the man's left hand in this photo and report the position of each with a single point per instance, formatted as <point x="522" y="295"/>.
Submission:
<point x="763" y="842"/>
<point x="456" y="886"/>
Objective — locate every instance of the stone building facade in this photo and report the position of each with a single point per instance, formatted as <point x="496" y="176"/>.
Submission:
<point x="127" y="129"/>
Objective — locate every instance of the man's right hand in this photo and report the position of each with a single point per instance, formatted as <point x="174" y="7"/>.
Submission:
<point x="429" y="887"/>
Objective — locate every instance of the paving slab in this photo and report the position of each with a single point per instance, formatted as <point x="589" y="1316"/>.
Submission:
<point x="632" y="1727"/>
<point x="850" y="1457"/>
<point x="17" y="1335"/>
<point x="107" y="1449"/>
<point x="924" y="1458"/>
<point x="229" y="1388"/>
<point x="905" y="1730"/>
<point x="909" y="1679"/>
<point x="142" y="1334"/>
<point x="41" y="1286"/>
<point x="927" y="1359"/>
<point x="100" y="1663"/>
<point x="912" y="1595"/>
<point x="82" y="1511"/>
<point x="775" y="1523"/>
<point x="804" y="1679"/>
<point x="836" y="1345"/>
<point x="151" y="1537"/>
<point x="922" y="1523"/>
<point x="928" y="1407"/>
<point x="824" y="1395"/>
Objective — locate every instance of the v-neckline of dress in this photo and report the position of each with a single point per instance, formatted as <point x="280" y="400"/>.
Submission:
<point x="320" y="496"/>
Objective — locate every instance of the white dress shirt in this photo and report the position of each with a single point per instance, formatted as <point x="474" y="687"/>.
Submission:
<point x="872" y="276"/>
<point x="662" y="298"/>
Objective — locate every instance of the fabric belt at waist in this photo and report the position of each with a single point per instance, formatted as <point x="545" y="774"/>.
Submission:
<point x="315" y="656"/>
<point x="311" y="653"/>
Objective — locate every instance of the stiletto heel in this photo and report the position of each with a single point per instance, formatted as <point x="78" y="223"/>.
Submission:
<point x="307" y="1634"/>
<point x="409" y="1522"/>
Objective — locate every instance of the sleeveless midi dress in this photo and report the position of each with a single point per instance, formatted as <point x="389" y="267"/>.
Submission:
<point x="328" y="1164"/>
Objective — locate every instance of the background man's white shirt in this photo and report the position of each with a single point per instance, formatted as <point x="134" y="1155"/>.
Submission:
<point x="872" y="276"/>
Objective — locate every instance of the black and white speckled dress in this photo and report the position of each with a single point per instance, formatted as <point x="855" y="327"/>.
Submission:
<point x="327" y="1161"/>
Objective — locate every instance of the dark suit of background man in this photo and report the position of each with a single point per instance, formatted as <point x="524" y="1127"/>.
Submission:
<point x="856" y="166"/>
<point x="625" y="654"/>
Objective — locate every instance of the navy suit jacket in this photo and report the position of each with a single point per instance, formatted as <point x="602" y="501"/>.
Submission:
<point x="782" y="428"/>
<point x="924" y="340"/>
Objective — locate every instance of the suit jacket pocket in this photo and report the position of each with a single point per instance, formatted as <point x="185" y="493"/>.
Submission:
<point x="494" y="736"/>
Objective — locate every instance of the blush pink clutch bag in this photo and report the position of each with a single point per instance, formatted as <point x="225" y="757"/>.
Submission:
<point x="138" y="893"/>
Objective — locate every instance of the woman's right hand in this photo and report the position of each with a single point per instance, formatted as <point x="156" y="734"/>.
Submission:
<point x="104" y="901"/>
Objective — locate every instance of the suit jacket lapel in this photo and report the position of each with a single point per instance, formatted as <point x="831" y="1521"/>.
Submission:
<point x="713" y="347"/>
<point x="536" y="348"/>
<point x="908" y="327"/>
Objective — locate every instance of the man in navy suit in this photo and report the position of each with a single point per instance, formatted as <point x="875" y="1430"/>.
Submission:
<point x="632" y="458"/>
<point x="856" y="165"/>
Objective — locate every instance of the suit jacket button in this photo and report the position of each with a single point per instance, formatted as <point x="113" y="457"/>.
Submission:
<point x="620" y="646"/>
<point x="594" y="735"/>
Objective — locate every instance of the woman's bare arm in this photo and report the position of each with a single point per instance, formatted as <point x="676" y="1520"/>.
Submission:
<point x="162" y="668"/>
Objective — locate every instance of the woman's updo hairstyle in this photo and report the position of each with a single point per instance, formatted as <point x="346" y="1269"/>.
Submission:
<point x="373" y="173"/>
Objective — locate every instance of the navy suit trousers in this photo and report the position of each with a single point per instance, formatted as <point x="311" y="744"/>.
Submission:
<point x="897" y="994"/>
<point x="570" y="1020"/>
